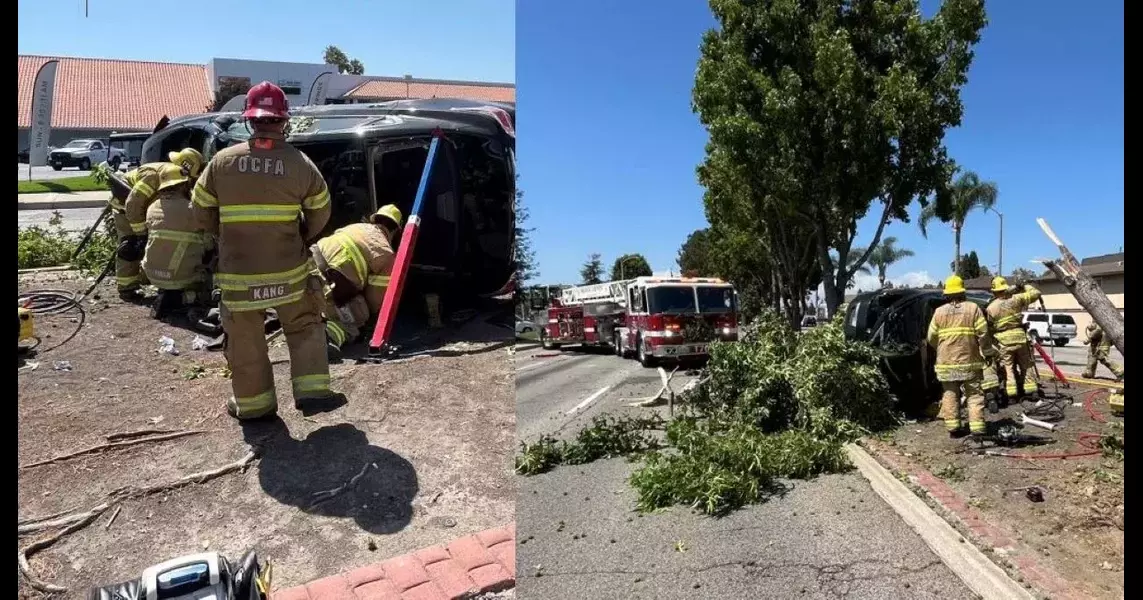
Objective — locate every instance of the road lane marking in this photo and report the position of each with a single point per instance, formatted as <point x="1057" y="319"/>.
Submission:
<point x="541" y="363"/>
<point x="589" y="399"/>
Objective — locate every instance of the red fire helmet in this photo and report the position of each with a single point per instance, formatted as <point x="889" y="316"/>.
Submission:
<point x="266" y="100"/>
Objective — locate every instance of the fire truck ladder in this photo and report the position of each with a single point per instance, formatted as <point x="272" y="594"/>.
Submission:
<point x="612" y="291"/>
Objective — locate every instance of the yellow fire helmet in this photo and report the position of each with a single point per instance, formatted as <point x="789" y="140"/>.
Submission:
<point x="954" y="285"/>
<point x="999" y="284"/>
<point x="189" y="160"/>
<point x="388" y="212"/>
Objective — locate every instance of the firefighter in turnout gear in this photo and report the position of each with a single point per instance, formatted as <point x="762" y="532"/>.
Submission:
<point x="959" y="332"/>
<point x="266" y="202"/>
<point x="1098" y="350"/>
<point x="175" y="246"/>
<point x="1004" y="314"/>
<point x="356" y="261"/>
<point x="129" y="277"/>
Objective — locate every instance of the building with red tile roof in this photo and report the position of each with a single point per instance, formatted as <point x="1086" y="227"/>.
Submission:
<point x="94" y="97"/>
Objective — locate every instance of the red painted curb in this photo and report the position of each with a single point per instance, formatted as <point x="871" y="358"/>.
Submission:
<point x="475" y="564"/>
<point x="1001" y="539"/>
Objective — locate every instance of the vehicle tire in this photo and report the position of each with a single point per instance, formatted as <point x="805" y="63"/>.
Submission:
<point x="544" y="343"/>
<point x="645" y="359"/>
<point x="1060" y="343"/>
<point x="85" y="165"/>
<point x="57" y="167"/>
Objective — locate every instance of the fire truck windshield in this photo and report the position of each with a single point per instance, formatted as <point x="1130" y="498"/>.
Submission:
<point x="715" y="300"/>
<point x="673" y="299"/>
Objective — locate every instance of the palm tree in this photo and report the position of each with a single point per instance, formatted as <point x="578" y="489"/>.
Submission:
<point x="968" y="193"/>
<point x="885" y="254"/>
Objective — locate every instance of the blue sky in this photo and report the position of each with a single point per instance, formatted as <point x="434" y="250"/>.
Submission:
<point x="608" y="145"/>
<point x="442" y="39"/>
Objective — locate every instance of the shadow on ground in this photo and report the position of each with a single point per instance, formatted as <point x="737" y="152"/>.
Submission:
<point x="373" y="486"/>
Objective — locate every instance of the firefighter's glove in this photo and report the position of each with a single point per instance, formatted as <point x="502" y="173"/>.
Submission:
<point x="132" y="248"/>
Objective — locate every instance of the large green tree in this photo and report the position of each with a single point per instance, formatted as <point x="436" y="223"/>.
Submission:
<point x="696" y="255"/>
<point x="629" y="266"/>
<point x="336" y="57"/>
<point x="527" y="269"/>
<point x="821" y="110"/>
<point x="967" y="194"/>
<point x="592" y="270"/>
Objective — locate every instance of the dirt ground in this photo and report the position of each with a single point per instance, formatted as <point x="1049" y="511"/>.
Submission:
<point x="1078" y="527"/>
<point x="432" y="437"/>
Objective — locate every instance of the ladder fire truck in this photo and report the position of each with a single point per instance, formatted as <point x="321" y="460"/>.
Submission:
<point x="650" y="318"/>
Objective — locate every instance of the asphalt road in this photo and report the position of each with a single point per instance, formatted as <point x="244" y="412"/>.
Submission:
<point x="580" y="538"/>
<point x="74" y="219"/>
<point x="45" y="173"/>
<point x="1073" y="358"/>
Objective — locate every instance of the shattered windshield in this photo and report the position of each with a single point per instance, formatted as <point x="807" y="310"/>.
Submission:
<point x="671" y="300"/>
<point x="715" y="300"/>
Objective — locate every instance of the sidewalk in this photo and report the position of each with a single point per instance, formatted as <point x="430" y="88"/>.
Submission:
<point x="62" y="201"/>
<point x="475" y="564"/>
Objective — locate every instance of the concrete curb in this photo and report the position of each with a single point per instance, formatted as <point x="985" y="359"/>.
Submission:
<point x="1002" y="541"/>
<point x="474" y="564"/>
<point x="58" y="204"/>
<point x="526" y="345"/>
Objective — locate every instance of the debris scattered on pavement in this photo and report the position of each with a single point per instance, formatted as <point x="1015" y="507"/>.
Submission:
<point x="326" y="495"/>
<point x="167" y="345"/>
<point x="199" y="343"/>
<point x="29" y="366"/>
<point x="61" y="365"/>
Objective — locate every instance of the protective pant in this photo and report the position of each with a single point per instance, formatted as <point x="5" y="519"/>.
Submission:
<point x="175" y="247"/>
<point x="991" y="379"/>
<point x="1097" y="355"/>
<point x="950" y="405"/>
<point x="128" y="275"/>
<point x="343" y="324"/>
<point x="1019" y="373"/>
<point x="252" y="376"/>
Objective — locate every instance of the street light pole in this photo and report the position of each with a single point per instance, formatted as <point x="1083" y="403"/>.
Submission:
<point x="1000" y="252"/>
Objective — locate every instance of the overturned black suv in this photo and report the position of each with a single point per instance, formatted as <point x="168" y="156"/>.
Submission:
<point x="373" y="154"/>
<point x="895" y="322"/>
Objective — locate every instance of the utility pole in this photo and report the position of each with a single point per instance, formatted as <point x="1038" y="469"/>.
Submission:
<point x="1000" y="251"/>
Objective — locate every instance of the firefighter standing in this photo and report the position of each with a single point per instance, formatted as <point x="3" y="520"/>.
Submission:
<point x="265" y="201"/>
<point x="1004" y="317"/>
<point x="356" y="262"/>
<point x="1098" y="351"/>
<point x="959" y="332"/>
<point x="175" y="244"/>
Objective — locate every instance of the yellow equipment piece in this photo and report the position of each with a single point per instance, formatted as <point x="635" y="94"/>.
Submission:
<point x="27" y="324"/>
<point x="1115" y="400"/>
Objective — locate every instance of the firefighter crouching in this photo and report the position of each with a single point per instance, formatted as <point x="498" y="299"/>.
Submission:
<point x="959" y="332"/>
<point x="129" y="277"/>
<point x="356" y="262"/>
<point x="266" y="201"/>
<point x="175" y="243"/>
<point x="1098" y="351"/>
<point x="1004" y="313"/>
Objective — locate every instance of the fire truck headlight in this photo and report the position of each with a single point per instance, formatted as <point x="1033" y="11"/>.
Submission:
<point x="669" y="333"/>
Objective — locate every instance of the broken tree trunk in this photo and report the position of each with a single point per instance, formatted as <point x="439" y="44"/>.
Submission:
<point x="1085" y="290"/>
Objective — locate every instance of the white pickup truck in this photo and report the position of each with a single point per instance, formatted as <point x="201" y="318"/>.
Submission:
<point x="85" y="153"/>
<point x="1060" y="328"/>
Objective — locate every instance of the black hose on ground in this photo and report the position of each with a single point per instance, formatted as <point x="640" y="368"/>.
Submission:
<point x="57" y="302"/>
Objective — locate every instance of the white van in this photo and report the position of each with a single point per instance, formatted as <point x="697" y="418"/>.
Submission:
<point x="1060" y="328"/>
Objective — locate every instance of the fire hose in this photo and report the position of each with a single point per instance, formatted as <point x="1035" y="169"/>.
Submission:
<point x="1087" y="440"/>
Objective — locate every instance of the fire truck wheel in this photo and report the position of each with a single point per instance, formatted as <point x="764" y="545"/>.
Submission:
<point x="645" y="358"/>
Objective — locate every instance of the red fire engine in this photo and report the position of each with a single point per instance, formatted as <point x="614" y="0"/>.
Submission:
<point x="651" y="318"/>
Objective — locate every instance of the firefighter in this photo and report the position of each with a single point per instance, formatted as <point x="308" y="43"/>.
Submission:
<point x="1015" y="353"/>
<point x="356" y="261"/>
<point x="266" y="202"/>
<point x="959" y="332"/>
<point x="175" y="244"/>
<point x="1098" y="349"/>
<point x="129" y="276"/>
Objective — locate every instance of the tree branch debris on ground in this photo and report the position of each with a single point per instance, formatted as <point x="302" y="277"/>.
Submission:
<point x="773" y="405"/>
<point x="120" y="440"/>
<point x="327" y="495"/>
<point x="74" y="521"/>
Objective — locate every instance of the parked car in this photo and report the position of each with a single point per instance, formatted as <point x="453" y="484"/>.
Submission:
<point x="22" y="156"/>
<point x="1060" y="328"/>
<point x="896" y="322"/>
<point x="85" y="153"/>
<point x="373" y="154"/>
<point x="809" y="321"/>
<point x="131" y="144"/>
<point x="526" y="327"/>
